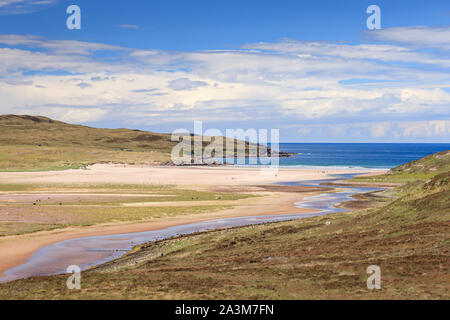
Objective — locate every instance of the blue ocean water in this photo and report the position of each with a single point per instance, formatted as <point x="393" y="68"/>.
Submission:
<point x="366" y="155"/>
<point x="355" y="155"/>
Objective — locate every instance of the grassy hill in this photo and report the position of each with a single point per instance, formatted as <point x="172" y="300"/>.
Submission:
<point x="43" y="131"/>
<point x="407" y="236"/>
<point x="30" y="143"/>
<point x="435" y="163"/>
<point x="422" y="169"/>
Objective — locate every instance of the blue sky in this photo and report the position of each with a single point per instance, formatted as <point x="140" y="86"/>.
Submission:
<point x="203" y="25"/>
<point x="310" y="68"/>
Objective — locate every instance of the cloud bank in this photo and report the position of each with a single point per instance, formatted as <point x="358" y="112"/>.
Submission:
<point x="395" y="88"/>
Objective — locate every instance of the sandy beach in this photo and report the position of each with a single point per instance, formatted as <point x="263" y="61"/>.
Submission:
<point x="180" y="176"/>
<point x="16" y="249"/>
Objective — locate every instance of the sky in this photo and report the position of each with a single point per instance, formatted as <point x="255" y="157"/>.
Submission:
<point x="311" y="69"/>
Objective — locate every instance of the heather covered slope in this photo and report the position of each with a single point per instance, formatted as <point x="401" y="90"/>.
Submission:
<point x="407" y="235"/>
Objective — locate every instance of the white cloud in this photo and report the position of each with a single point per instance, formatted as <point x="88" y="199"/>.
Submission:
<point x="56" y="46"/>
<point x="23" y="6"/>
<point x="69" y="114"/>
<point x="367" y="52"/>
<point x="185" y="84"/>
<point x="289" y="82"/>
<point x="417" y="36"/>
<point x="386" y="130"/>
<point x="304" y="131"/>
<point x="128" y="26"/>
<point x="379" y="130"/>
<point x="424" y="129"/>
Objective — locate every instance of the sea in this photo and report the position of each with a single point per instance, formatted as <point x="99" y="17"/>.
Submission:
<point x="355" y="155"/>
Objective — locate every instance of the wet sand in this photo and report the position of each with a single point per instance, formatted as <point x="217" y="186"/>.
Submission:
<point x="16" y="250"/>
<point x="91" y="251"/>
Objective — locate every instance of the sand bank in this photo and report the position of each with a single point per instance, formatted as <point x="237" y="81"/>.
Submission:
<point x="181" y="176"/>
<point x="15" y="250"/>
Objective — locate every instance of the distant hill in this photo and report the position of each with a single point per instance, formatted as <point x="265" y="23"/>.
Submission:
<point x="40" y="143"/>
<point x="43" y="131"/>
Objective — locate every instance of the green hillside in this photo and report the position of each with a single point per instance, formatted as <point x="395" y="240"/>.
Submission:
<point x="30" y="143"/>
<point x="42" y="131"/>
<point x="435" y="163"/>
<point x="422" y="169"/>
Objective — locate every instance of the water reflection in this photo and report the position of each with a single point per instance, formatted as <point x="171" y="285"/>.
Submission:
<point x="90" y="251"/>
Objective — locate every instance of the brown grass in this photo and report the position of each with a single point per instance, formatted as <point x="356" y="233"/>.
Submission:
<point x="318" y="258"/>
